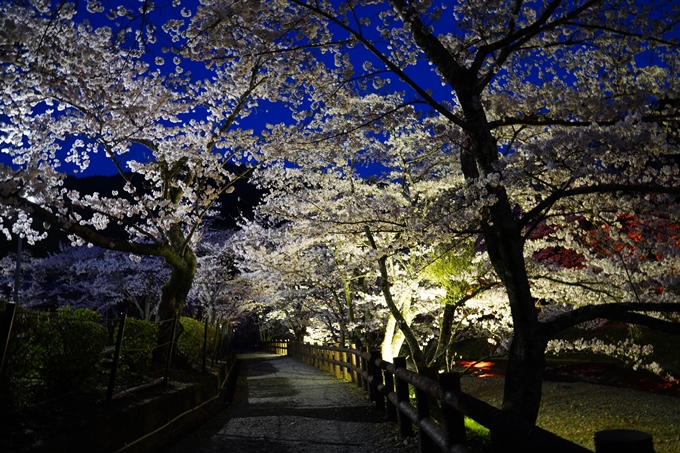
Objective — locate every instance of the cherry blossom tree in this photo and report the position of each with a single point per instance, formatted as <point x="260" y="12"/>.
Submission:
<point x="90" y="277"/>
<point x="339" y="231"/>
<point x="218" y="291"/>
<point x="315" y="284"/>
<point x="80" y="92"/>
<point x="553" y="110"/>
<point x="559" y="115"/>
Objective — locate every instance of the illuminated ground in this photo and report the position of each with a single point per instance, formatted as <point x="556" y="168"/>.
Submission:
<point x="282" y="406"/>
<point x="576" y="410"/>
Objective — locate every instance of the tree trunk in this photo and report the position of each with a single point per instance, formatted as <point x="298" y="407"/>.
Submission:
<point x="410" y="338"/>
<point x="175" y="289"/>
<point x="445" y="335"/>
<point x="523" y="381"/>
<point x="390" y="331"/>
<point x="505" y="247"/>
<point x="182" y="261"/>
<point x="393" y="340"/>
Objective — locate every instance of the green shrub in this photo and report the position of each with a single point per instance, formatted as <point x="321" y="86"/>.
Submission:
<point x="139" y="340"/>
<point x="73" y="344"/>
<point x="190" y="342"/>
<point x="23" y="359"/>
<point x="62" y="350"/>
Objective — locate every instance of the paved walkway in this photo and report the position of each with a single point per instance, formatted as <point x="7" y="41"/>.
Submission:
<point x="282" y="405"/>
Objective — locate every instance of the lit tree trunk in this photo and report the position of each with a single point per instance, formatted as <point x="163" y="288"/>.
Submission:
<point x="446" y="332"/>
<point x="393" y="340"/>
<point x="174" y="291"/>
<point x="505" y="247"/>
<point x="523" y="381"/>
<point x="182" y="261"/>
<point x="410" y="338"/>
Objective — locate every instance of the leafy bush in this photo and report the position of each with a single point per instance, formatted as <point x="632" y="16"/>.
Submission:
<point x="61" y="349"/>
<point x="190" y="342"/>
<point x="139" y="340"/>
<point x="73" y="343"/>
<point x="23" y="359"/>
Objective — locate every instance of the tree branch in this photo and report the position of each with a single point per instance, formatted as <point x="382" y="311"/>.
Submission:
<point x="587" y="190"/>
<point x="387" y="62"/>
<point x="98" y="239"/>
<point x="546" y="121"/>
<point x="622" y="312"/>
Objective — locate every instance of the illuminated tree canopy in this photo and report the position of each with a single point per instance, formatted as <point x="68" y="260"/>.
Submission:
<point x="541" y="135"/>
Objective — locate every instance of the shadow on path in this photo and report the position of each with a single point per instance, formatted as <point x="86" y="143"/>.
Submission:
<point x="281" y="405"/>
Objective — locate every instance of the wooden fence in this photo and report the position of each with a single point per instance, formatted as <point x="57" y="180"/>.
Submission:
<point x="387" y="384"/>
<point x="220" y="350"/>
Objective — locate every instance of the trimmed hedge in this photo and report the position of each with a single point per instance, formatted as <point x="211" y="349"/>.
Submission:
<point x="139" y="340"/>
<point x="73" y="343"/>
<point x="190" y="342"/>
<point x="60" y="349"/>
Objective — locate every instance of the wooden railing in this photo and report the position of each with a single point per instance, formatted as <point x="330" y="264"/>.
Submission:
<point x="387" y="385"/>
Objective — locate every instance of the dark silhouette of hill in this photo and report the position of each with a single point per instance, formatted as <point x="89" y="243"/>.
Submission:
<point x="231" y="207"/>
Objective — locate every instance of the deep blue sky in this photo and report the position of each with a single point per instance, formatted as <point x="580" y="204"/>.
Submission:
<point x="100" y="164"/>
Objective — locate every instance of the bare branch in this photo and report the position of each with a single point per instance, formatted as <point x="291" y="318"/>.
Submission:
<point x="622" y="312"/>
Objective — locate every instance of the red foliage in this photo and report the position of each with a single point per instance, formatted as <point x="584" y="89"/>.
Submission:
<point x="598" y="236"/>
<point x="561" y="256"/>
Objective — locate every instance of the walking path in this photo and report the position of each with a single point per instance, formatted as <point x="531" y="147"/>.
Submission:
<point x="282" y="405"/>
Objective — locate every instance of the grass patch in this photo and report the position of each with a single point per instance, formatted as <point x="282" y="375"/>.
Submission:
<point x="477" y="435"/>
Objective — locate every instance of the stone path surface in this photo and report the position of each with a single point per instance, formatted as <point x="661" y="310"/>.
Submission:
<point x="282" y="406"/>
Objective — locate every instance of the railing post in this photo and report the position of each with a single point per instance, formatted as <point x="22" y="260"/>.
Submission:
<point x="218" y="335"/>
<point x="351" y="358"/>
<point x="315" y="352"/>
<point x="116" y="357"/>
<point x="169" y="356"/>
<point x="405" y="425"/>
<point x="369" y="373"/>
<point x="425" y="444"/>
<point x="346" y="371"/>
<point x="219" y="342"/>
<point x="623" y="441"/>
<point x="389" y="385"/>
<point x="356" y="361"/>
<point x="6" y="330"/>
<point x="453" y="421"/>
<point x="205" y="344"/>
<point x="377" y="374"/>
<point x="364" y="368"/>
<point x="328" y="354"/>
<point x="322" y="357"/>
<point x="336" y="357"/>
